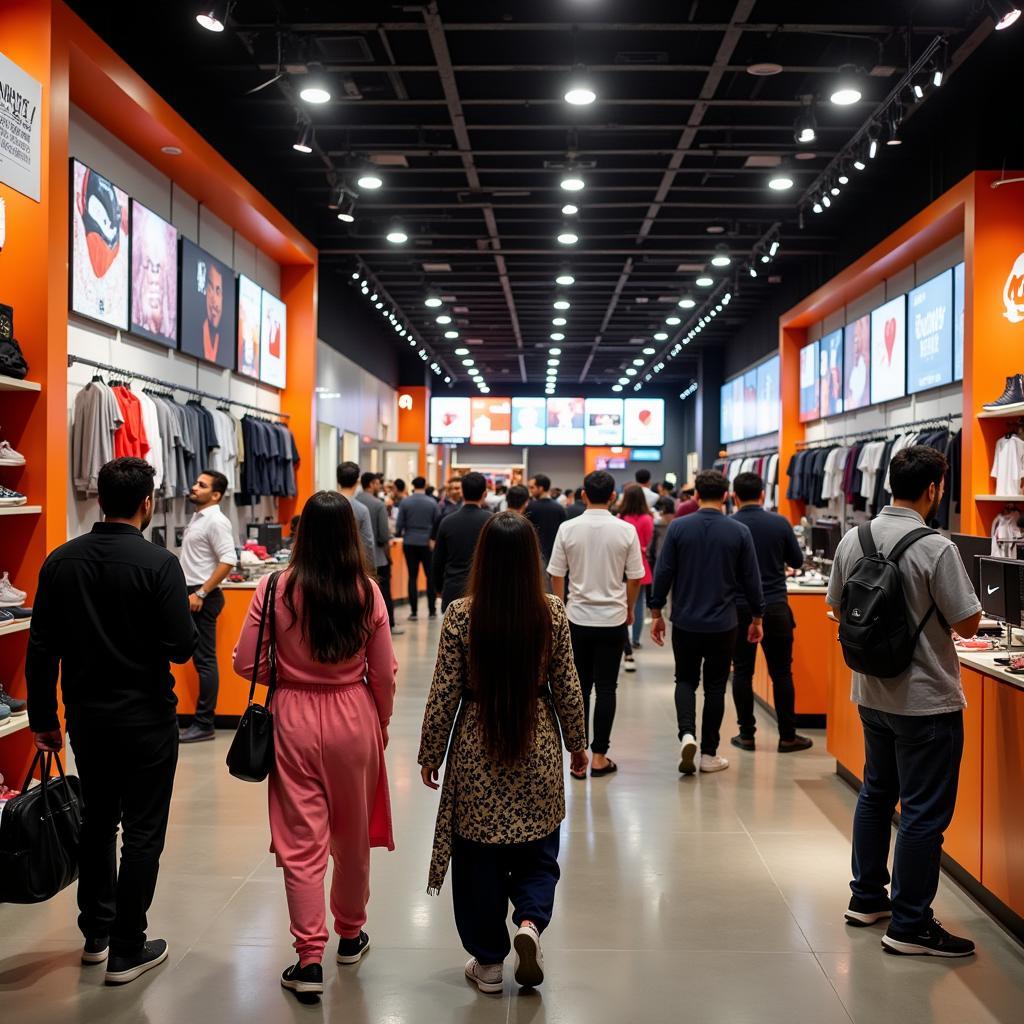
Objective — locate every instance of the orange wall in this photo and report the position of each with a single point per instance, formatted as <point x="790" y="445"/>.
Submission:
<point x="413" y="406"/>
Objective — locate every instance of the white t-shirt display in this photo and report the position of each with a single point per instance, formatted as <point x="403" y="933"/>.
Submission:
<point x="1008" y="465"/>
<point x="869" y="463"/>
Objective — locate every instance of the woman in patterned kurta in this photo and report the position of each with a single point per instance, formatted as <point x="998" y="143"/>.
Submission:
<point x="498" y="822"/>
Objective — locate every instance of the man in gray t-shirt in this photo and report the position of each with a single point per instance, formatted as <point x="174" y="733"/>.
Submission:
<point x="913" y="722"/>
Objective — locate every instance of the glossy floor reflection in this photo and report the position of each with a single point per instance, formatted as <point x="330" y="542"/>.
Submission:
<point x="712" y="899"/>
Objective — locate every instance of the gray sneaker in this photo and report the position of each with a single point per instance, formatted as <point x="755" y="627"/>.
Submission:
<point x="13" y="705"/>
<point x="195" y="734"/>
<point x="10" y="595"/>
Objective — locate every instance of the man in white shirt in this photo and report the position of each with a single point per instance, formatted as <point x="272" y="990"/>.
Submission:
<point x="601" y="556"/>
<point x="207" y="555"/>
<point x="643" y="478"/>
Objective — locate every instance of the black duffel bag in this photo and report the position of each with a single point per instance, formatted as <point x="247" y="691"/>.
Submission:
<point x="40" y="831"/>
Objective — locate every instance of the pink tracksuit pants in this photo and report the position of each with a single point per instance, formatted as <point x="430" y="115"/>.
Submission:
<point x="328" y="796"/>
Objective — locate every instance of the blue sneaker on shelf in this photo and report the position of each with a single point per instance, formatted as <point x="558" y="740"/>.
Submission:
<point x="13" y="704"/>
<point x="9" y="497"/>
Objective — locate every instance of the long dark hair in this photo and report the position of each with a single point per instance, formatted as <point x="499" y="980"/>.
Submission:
<point x="328" y="568"/>
<point x="509" y="634"/>
<point x="634" y="502"/>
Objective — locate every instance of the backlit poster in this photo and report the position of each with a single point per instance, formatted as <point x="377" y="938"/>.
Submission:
<point x="273" y="340"/>
<point x="768" y="408"/>
<point x="250" y="298"/>
<point x="645" y="422"/>
<point x="602" y="421"/>
<point x="565" y="421"/>
<point x="449" y="420"/>
<point x="830" y="360"/>
<point x="930" y="334"/>
<point x="959" y="289"/>
<point x="889" y="350"/>
<point x="809" y="380"/>
<point x="206" y="311"/>
<point x="736" y="384"/>
<point x="750" y="403"/>
<point x="491" y="420"/>
<point x="857" y="364"/>
<point x="529" y="421"/>
<point x="725" y="416"/>
<point x="154" y="287"/>
<point x="99" y="248"/>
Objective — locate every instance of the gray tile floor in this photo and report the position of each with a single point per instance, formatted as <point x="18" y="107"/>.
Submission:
<point x="711" y="899"/>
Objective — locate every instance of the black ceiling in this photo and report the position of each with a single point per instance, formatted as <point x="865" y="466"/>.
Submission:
<point x="460" y="103"/>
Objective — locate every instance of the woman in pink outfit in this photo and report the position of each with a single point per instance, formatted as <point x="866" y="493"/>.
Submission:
<point x="633" y="509"/>
<point x="335" y="691"/>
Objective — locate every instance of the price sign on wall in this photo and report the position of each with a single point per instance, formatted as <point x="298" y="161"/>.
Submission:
<point x="20" y="129"/>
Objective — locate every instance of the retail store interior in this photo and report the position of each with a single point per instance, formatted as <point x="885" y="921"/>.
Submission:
<point x="375" y="264"/>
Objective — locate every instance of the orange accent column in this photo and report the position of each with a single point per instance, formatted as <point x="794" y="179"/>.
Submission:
<point x="791" y="340"/>
<point x="413" y="419"/>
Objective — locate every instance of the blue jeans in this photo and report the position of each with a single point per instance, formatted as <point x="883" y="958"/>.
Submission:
<point x="638" y="615"/>
<point x="915" y="760"/>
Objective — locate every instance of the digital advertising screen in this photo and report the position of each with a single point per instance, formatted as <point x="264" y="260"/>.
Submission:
<point x="273" y="340"/>
<point x="645" y="422"/>
<point x="449" y="420"/>
<point x="206" y="310"/>
<point x="750" y="403"/>
<point x="959" y="299"/>
<point x="736" y="384"/>
<point x="250" y="300"/>
<point x="154" y="290"/>
<point x="725" y="416"/>
<point x="769" y="412"/>
<point x="857" y="364"/>
<point x="99" y="248"/>
<point x="565" y="421"/>
<point x="889" y="350"/>
<point x="930" y="334"/>
<point x="830" y="357"/>
<point x="529" y="421"/>
<point x="645" y="455"/>
<point x="809" y="381"/>
<point x="602" y="421"/>
<point x="491" y="420"/>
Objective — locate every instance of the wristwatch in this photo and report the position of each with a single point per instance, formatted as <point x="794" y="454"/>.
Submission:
<point x="202" y="595"/>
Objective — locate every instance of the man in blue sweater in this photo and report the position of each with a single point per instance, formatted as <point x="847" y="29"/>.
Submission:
<point x="706" y="561"/>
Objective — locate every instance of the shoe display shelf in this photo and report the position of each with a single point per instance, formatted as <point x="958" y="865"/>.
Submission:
<point x="13" y="384"/>
<point x="21" y="510"/>
<point x="13" y="724"/>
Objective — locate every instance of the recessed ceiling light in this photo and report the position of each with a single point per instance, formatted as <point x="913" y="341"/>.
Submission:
<point x="557" y="336"/>
<point x="715" y="229"/>
<point x="623" y="380"/>
<point x="569" y="210"/>
<point x="805" y="155"/>
<point x="467" y="362"/>
<point x="572" y="182"/>
<point x="462" y="351"/>
<point x="553" y="361"/>
<point x="451" y="335"/>
<point x="369" y="180"/>
<point x="780" y="181"/>
<point x="567" y="237"/>
<point x="616" y="387"/>
<point x="661" y="336"/>
<point x="686" y="303"/>
<point x="704" y="281"/>
<point x="396" y="236"/>
<point x="444" y="318"/>
<point x="580" y="94"/>
<point x="630" y="371"/>
<point x="648" y="351"/>
<point x="554" y="351"/>
<point x="638" y="361"/>
<point x="764" y="69"/>
<point x="565" y="278"/>
<point x="561" y="304"/>
<point x="673" y="321"/>
<point x="171" y="150"/>
<point x="432" y="302"/>
<point x="559" y="321"/>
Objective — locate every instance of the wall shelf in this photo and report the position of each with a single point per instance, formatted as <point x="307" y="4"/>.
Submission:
<point x="13" y="724"/>
<point x="21" y="510"/>
<point x="998" y="414"/>
<point x="1006" y="499"/>
<point x="17" y="626"/>
<point x="13" y="384"/>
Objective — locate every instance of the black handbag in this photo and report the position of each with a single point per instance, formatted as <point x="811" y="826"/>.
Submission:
<point x="40" y="832"/>
<point x="252" y="750"/>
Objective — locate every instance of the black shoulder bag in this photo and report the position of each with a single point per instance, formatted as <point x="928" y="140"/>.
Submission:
<point x="252" y="750"/>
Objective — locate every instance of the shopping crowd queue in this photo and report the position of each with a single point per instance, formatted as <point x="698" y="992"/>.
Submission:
<point x="538" y="602"/>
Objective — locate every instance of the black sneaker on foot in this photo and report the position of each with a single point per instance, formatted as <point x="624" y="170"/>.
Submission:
<point x="350" y="951"/>
<point x="932" y="940"/>
<point x="796" y="743"/>
<point x="744" y="742"/>
<point x="306" y="982"/>
<point x="864" y="913"/>
<point x="121" y="969"/>
<point x="432" y="613"/>
<point x="95" y="951"/>
<point x="195" y="734"/>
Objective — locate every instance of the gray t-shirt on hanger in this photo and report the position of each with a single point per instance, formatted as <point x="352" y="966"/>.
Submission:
<point x="932" y="571"/>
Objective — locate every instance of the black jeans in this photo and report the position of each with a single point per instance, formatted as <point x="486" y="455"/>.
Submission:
<point x="384" y="582"/>
<point x="205" y="657"/>
<point x="415" y="556"/>
<point x="597" y="652"/>
<point x="713" y="652"/>
<point x="127" y="774"/>
<point x="915" y="760"/>
<point x="485" y="876"/>
<point x="778" y="652"/>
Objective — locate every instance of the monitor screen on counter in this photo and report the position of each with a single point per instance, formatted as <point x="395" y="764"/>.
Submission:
<point x="889" y="351"/>
<point x="644" y="422"/>
<point x="602" y="422"/>
<point x="491" y="420"/>
<point x="529" y="421"/>
<point x="154" y="277"/>
<point x="930" y="334"/>
<point x="565" y="421"/>
<point x="857" y="364"/>
<point x="830" y="357"/>
<point x="450" y="420"/>
<point x="809" y="382"/>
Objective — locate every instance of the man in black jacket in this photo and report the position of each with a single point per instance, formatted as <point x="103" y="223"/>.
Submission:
<point x="111" y="612"/>
<point x="456" y="540"/>
<point x="546" y="515"/>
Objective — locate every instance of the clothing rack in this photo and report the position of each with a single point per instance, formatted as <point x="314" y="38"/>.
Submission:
<point x="172" y="386"/>
<point x="882" y="432"/>
<point x="756" y="454"/>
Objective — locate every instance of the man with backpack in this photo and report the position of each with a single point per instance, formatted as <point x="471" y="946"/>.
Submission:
<point x="898" y="590"/>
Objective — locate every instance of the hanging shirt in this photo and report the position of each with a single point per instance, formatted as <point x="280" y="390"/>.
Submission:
<point x="151" y="426"/>
<point x="95" y="421"/>
<point x="1008" y="465"/>
<point x="130" y="439"/>
<point x="1006" y="531"/>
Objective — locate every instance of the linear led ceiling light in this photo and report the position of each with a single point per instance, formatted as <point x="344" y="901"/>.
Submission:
<point x="847" y="89"/>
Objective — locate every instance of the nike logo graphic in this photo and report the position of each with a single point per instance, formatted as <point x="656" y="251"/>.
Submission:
<point x="991" y="590"/>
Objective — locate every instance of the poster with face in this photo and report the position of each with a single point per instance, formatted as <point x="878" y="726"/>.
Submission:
<point x="250" y="298"/>
<point x="830" y="356"/>
<point x="154" y="277"/>
<point x="99" y="248"/>
<point x="207" y="307"/>
<point x="809" y="381"/>
<point x="857" y="364"/>
<point x="529" y="421"/>
<point x="273" y="340"/>
<point x="645" y="422"/>
<point x="565" y="421"/>
<point x="889" y="350"/>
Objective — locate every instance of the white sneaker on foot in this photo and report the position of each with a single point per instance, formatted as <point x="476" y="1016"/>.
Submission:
<point x="713" y="763"/>
<point x="486" y="977"/>
<point x="687" y="755"/>
<point x="529" y="957"/>
<point x="629" y="663"/>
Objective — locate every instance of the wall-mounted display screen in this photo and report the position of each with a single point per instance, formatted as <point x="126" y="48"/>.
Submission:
<point x="725" y="427"/>
<point x="959" y="299"/>
<point x="273" y="340"/>
<point x="206" y="312"/>
<point x="857" y="364"/>
<point x="768" y="409"/>
<point x="154" y="291"/>
<point x="491" y="420"/>
<point x="809" y="380"/>
<point x="602" y="421"/>
<point x="889" y="350"/>
<point x="750" y="403"/>
<point x="930" y="334"/>
<point x="99" y="247"/>
<point x="450" y="420"/>
<point x="565" y="421"/>
<point x="645" y="455"/>
<point x="645" y="422"/>
<point x="529" y="421"/>
<point x="830" y="357"/>
<point x="736" y="384"/>
<point x="250" y="298"/>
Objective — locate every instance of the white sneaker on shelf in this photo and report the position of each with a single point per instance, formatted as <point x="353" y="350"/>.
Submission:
<point x="10" y="596"/>
<point x="687" y="755"/>
<point x="486" y="977"/>
<point x="10" y="457"/>
<point x="713" y="763"/>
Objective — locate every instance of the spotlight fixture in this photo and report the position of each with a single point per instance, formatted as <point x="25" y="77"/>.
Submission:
<point x="721" y="257"/>
<point x="917" y="89"/>
<point x="451" y="335"/>
<point x="567" y="236"/>
<point x="462" y="351"/>
<point x="572" y="182"/>
<point x="835" y="190"/>
<point x="565" y="278"/>
<point x="314" y="88"/>
<point x="396" y="235"/>
<point x="302" y="143"/>
<point x="648" y="351"/>
<point x="215" y="17"/>
<point x="347" y="210"/>
<point x="752" y="270"/>
<point x="660" y="336"/>
<point x="1004" y="12"/>
<point x="444" y="318"/>
<point x="467" y="362"/>
<point x="704" y="281"/>
<point x="686" y="302"/>
<point x="623" y="380"/>
<point x="557" y="336"/>
<point x="780" y="181"/>
<point x="569" y="210"/>
<point x="562" y="304"/>
<point x="630" y="371"/>
<point x="773" y="248"/>
<point x="895" y="120"/>
<point x="873" y="133"/>
<point x="553" y="361"/>
<point x="844" y="178"/>
<point x="817" y="207"/>
<point x="673" y="321"/>
<point x="369" y="179"/>
<point x="846" y="91"/>
<point x="859" y="164"/>
<point x="638" y="361"/>
<point x="554" y="351"/>
<point x="616" y="388"/>
<point x="559" y="321"/>
<point x="432" y="301"/>
<point x="805" y="128"/>
<point x="579" y="94"/>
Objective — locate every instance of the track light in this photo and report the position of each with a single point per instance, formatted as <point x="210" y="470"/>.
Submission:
<point x="752" y="270"/>
<point x="314" y="87"/>
<point x="347" y="210"/>
<point x="825" y="201"/>
<point x="559" y="321"/>
<point x="579" y="94"/>
<point x="721" y="257"/>
<point x="451" y="335"/>
<point x="704" y="281"/>
<point x="369" y="178"/>
<point x="773" y="248"/>
<point x="303" y="143"/>
<point x="565" y="278"/>
<point x="918" y="90"/>
<point x="215" y="17"/>
<point x="844" y="178"/>
<point x="805" y="128"/>
<point x="895" y="120"/>
<point x="686" y="302"/>
<point x="859" y="164"/>
<point x="673" y="321"/>
<point x="561" y="304"/>
<point x="432" y="301"/>
<point x="846" y="91"/>
<point x="1004" y="12"/>
<point x="443" y="319"/>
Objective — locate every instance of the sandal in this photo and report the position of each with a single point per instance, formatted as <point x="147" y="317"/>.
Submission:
<point x="582" y="778"/>
<point x="597" y="773"/>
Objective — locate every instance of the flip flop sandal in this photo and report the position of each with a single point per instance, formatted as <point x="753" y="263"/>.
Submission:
<point x="597" y="773"/>
<point x="581" y="778"/>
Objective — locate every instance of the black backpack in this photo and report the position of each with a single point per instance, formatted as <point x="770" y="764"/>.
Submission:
<point x="874" y="628"/>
